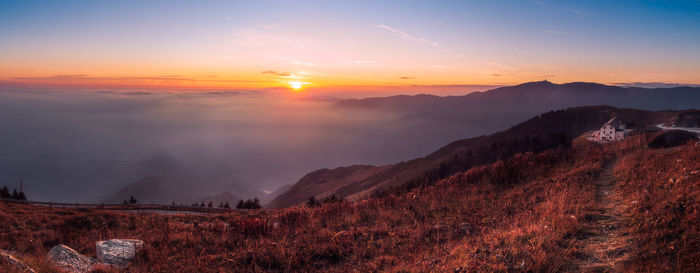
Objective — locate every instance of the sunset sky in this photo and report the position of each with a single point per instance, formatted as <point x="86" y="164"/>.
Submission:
<point x="346" y="44"/>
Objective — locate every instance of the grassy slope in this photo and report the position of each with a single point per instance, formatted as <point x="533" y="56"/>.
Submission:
<point x="539" y="133"/>
<point x="663" y="188"/>
<point x="519" y="214"/>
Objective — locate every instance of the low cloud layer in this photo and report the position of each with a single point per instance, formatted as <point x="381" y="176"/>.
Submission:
<point x="82" y="146"/>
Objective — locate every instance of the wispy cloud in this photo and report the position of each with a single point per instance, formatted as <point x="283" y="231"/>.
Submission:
<point x="406" y="78"/>
<point x="356" y="62"/>
<point x="293" y="61"/>
<point x="654" y="84"/>
<point x="167" y="78"/>
<point x="277" y="73"/>
<point x="406" y="36"/>
<point x="253" y="37"/>
<point x="576" y="12"/>
<point x="71" y="76"/>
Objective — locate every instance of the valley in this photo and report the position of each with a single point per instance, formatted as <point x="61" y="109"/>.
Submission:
<point x="576" y="208"/>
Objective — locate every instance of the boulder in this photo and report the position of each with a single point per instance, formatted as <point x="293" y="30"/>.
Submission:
<point x="70" y="260"/>
<point x="117" y="252"/>
<point x="14" y="262"/>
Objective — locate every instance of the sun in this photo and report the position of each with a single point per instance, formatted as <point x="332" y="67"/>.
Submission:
<point x="296" y="85"/>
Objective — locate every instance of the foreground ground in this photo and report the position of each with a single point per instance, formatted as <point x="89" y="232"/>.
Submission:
<point x="619" y="207"/>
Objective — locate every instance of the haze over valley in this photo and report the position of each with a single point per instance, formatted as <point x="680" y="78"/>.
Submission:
<point x="107" y="145"/>
<point x="90" y="144"/>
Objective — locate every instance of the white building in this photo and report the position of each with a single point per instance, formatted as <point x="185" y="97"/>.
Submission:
<point x="613" y="130"/>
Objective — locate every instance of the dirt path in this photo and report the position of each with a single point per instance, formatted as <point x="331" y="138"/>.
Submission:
<point x="605" y="238"/>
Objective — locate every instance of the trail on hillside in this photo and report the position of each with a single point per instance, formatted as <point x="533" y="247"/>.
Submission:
<point x="606" y="239"/>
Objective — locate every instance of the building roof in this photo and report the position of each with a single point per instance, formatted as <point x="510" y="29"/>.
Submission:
<point x="614" y="122"/>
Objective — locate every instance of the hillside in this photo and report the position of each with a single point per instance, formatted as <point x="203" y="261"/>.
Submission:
<point x="546" y="131"/>
<point x="498" y="109"/>
<point x="323" y="183"/>
<point x="690" y="118"/>
<point x="581" y="208"/>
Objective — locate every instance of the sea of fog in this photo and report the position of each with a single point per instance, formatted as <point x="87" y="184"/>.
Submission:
<point x="84" y="145"/>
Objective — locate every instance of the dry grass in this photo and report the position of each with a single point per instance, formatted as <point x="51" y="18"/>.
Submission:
<point x="525" y="213"/>
<point x="663" y="189"/>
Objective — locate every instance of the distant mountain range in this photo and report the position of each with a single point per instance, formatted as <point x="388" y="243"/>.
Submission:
<point x="506" y="106"/>
<point x="491" y="111"/>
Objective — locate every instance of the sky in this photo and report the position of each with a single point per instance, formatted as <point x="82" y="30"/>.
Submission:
<point x="345" y="45"/>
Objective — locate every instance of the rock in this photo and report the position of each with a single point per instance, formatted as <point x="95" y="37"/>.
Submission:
<point x="117" y="252"/>
<point x="14" y="262"/>
<point x="70" y="260"/>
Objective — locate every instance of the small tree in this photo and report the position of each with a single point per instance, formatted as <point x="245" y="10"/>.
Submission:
<point x="332" y="199"/>
<point x="202" y="204"/>
<point x="132" y="200"/>
<point x="21" y="196"/>
<point x="249" y="204"/>
<point x="15" y="195"/>
<point x="5" y="192"/>
<point x="227" y="206"/>
<point x="210" y="204"/>
<point x="311" y="202"/>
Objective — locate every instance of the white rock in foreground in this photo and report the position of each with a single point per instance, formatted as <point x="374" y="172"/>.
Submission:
<point x="69" y="259"/>
<point x="14" y="262"/>
<point x="117" y="252"/>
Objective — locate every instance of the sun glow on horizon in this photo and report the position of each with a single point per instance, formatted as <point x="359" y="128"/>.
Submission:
<point x="296" y="85"/>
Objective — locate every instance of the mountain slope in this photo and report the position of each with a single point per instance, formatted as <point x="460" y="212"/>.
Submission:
<point x="546" y="131"/>
<point x="579" y="209"/>
<point x="485" y="113"/>
<point x="323" y="183"/>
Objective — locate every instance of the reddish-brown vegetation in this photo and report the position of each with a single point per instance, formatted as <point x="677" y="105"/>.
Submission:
<point x="524" y="213"/>
<point x="546" y="131"/>
<point x="663" y="190"/>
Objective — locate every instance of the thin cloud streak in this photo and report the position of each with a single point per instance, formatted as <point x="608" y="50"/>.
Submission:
<point x="654" y="84"/>
<point x="406" y="36"/>
<point x="160" y="78"/>
<point x="276" y="73"/>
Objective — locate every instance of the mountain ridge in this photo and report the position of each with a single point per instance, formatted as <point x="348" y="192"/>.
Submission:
<point x="499" y="109"/>
<point x="579" y="89"/>
<point x="534" y="135"/>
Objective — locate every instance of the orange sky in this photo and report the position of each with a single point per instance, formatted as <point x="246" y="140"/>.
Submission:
<point x="341" y="45"/>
